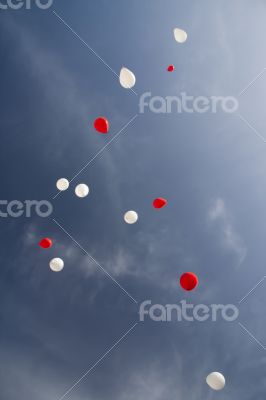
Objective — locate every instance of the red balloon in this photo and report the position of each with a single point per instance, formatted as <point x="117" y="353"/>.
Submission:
<point x="101" y="125"/>
<point x="189" y="281"/>
<point x="170" y="68"/>
<point x="159" y="202"/>
<point x="45" y="243"/>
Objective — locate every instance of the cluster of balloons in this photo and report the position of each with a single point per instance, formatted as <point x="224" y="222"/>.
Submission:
<point x="188" y="280"/>
<point x="81" y="190"/>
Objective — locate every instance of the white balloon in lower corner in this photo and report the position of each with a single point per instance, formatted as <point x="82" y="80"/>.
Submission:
<point x="82" y="190"/>
<point x="180" y="35"/>
<point x="216" y="381"/>
<point x="131" y="217"/>
<point x="127" y="79"/>
<point x="62" y="184"/>
<point x="56" y="264"/>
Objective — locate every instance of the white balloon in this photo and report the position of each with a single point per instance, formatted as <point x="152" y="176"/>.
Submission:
<point x="82" y="190"/>
<point x="56" y="264"/>
<point x="62" y="184"/>
<point x="127" y="78"/>
<point x="180" y="35"/>
<point x="131" y="217"/>
<point x="216" y="381"/>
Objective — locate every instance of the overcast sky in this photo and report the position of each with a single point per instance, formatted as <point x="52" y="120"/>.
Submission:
<point x="210" y="167"/>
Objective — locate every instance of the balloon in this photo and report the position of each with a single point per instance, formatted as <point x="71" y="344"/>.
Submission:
<point x="159" y="202"/>
<point x="56" y="264"/>
<point x="101" y="125"/>
<point x="180" y="35"/>
<point x="82" y="190"/>
<point x="127" y="78"/>
<point x="131" y="217"/>
<point x="45" y="243"/>
<point x="189" y="281"/>
<point x="170" y="68"/>
<point x="216" y="381"/>
<point x="62" y="184"/>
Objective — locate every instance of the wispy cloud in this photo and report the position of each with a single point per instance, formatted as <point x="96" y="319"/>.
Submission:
<point x="219" y="216"/>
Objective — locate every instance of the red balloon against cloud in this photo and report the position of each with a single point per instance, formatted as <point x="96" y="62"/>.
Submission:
<point x="45" y="243"/>
<point x="189" y="281"/>
<point x="170" y="68"/>
<point x="159" y="202"/>
<point x="101" y="125"/>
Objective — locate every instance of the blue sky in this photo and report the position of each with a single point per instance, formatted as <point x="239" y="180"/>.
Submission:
<point x="210" y="167"/>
